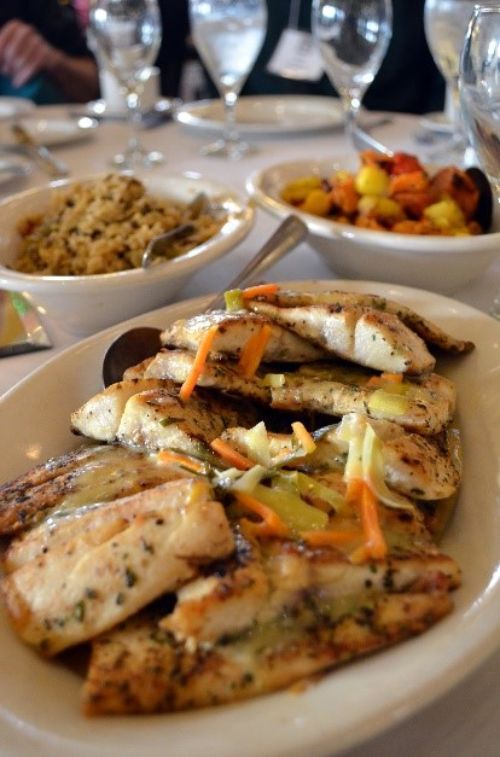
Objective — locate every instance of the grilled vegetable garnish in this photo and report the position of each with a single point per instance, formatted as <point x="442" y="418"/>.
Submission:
<point x="424" y="468"/>
<point x="365" y="336"/>
<point x="209" y="557"/>
<point x="234" y="331"/>
<point x="428" y="331"/>
<point x="126" y="554"/>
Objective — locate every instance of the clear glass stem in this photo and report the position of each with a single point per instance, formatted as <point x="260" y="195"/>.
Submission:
<point x="351" y="103"/>
<point x="231" y="136"/>
<point x="132" y="98"/>
<point x="495" y="308"/>
<point x="455" y="111"/>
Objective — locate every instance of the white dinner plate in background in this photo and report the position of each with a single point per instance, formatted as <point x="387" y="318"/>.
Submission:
<point x="11" y="107"/>
<point x="266" y="115"/>
<point x="99" y="109"/>
<point x="437" y="122"/>
<point x="13" y="167"/>
<point x="52" y="131"/>
<point x="39" y="699"/>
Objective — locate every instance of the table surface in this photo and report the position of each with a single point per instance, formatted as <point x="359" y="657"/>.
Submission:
<point x="465" y="721"/>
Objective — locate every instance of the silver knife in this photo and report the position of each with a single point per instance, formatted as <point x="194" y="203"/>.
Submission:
<point x="39" y="153"/>
<point x="20" y="327"/>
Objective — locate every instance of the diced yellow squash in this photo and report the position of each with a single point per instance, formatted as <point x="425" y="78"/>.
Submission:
<point x="445" y="215"/>
<point x="317" y="202"/>
<point x="372" y="180"/>
<point x="380" y="207"/>
<point x="296" y="191"/>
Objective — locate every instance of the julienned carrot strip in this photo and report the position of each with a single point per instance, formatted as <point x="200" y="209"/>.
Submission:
<point x="271" y="525"/>
<point x="354" y="490"/>
<point x="386" y="378"/>
<point x="199" y="363"/>
<point x="261" y="290"/>
<point x="329" y="538"/>
<point x="230" y="455"/>
<point x="253" y="351"/>
<point x="304" y="437"/>
<point x="167" y="456"/>
<point x="375" y="544"/>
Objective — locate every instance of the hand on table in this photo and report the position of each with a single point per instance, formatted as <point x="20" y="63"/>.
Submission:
<point x="24" y="52"/>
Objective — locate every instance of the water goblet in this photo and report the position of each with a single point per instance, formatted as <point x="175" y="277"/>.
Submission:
<point x="228" y="35"/>
<point x="353" y="36"/>
<point x="126" y="35"/>
<point x="479" y="87"/>
<point x="445" y="24"/>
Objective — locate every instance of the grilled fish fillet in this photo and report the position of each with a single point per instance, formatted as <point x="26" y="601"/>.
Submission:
<point x="430" y="332"/>
<point x="100" y="416"/>
<point x="132" y="553"/>
<point x="234" y="331"/>
<point x="140" y="669"/>
<point x="262" y="588"/>
<point x="156" y="418"/>
<point x="77" y="478"/>
<point x="427" y="407"/>
<point x="365" y="336"/>
<point x="177" y="364"/>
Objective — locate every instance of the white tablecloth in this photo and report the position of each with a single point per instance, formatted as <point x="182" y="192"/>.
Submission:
<point x="466" y="721"/>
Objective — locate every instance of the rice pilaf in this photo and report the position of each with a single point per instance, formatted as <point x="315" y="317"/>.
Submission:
<point x="103" y="226"/>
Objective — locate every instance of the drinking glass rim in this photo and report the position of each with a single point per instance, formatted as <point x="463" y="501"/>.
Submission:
<point x="481" y="8"/>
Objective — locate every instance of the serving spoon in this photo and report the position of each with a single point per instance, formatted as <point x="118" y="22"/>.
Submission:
<point x="139" y="343"/>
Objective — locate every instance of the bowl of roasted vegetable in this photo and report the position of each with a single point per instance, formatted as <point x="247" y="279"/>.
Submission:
<point x="388" y="218"/>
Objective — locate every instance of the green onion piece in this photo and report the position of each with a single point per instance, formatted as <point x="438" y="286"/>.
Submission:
<point x="374" y="473"/>
<point x="274" y="380"/>
<point x="309" y="487"/>
<point x="292" y="510"/>
<point x="234" y="300"/>
<point x="387" y="403"/>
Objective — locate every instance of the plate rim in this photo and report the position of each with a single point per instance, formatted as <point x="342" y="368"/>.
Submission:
<point x="445" y="675"/>
<point x="187" y="114"/>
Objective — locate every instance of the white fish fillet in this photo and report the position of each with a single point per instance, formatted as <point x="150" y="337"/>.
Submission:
<point x="91" y="582"/>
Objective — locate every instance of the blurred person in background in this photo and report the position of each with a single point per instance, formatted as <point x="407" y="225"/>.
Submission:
<point x="43" y="53"/>
<point x="407" y="82"/>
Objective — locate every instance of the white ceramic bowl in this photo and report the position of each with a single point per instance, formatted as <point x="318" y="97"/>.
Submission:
<point x="86" y="304"/>
<point x="441" y="264"/>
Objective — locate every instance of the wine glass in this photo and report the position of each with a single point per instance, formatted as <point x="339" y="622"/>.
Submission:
<point x="480" y="96"/>
<point x="126" y="36"/>
<point x="353" y="36"/>
<point x="445" y="24"/>
<point x="228" y="34"/>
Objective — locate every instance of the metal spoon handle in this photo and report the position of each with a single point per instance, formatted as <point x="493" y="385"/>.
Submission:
<point x="287" y="236"/>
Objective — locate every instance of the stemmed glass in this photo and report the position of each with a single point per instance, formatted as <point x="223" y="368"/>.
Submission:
<point x="445" y="27"/>
<point x="126" y="36"/>
<point x="480" y="96"/>
<point x="353" y="36"/>
<point x="228" y="35"/>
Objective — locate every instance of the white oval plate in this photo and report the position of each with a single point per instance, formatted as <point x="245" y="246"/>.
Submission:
<point x="438" y="122"/>
<point x="266" y="115"/>
<point x="98" y="108"/>
<point x="52" y="131"/>
<point x="13" y="167"/>
<point x="39" y="700"/>
<point x="11" y="107"/>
